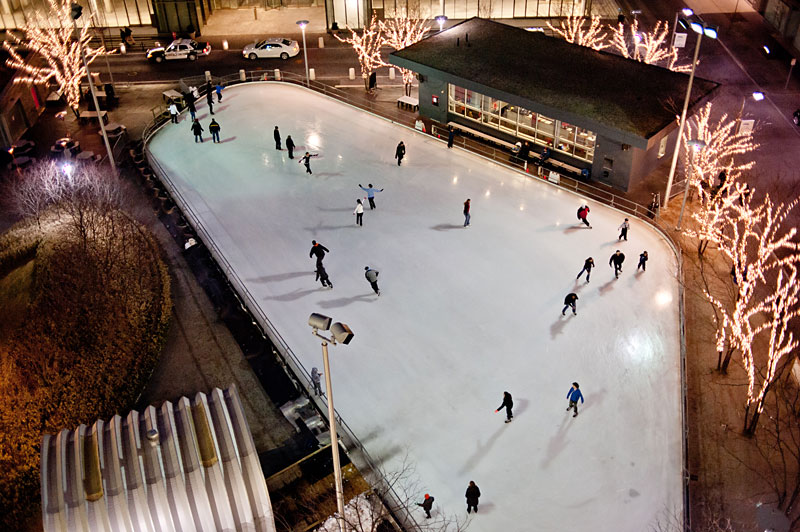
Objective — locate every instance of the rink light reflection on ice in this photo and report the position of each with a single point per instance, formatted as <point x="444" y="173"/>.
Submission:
<point x="464" y="313"/>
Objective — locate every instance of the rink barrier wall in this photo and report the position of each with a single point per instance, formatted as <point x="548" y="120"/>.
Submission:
<point x="352" y="445"/>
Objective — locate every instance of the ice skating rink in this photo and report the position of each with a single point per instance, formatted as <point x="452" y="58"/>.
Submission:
<point x="464" y="314"/>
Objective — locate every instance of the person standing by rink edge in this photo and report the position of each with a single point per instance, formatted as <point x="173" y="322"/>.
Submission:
<point x="197" y="129"/>
<point x="451" y="136"/>
<point x="623" y="230"/>
<point x="574" y="394"/>
<point x="315" y="378"/>
<point x="588" y="264"/>
<point x="210" y="99"/>
<point x="372" y="277"/>
<point x="214" y="128"/>
<point x="570" y="301"/>
<point x="466" y="212"/>
<point x="473" y="494"/>
<point x="359" y="212"/>
<point x="173" y="113"/>
<point x="508" y="403"/>
<point x="277" y="136"/>
<point x="290" y="146"/>
<point x="642" y="261"/>
<point x="427" y="504"/>
<point x="616" y="260"/>
<point x="400" y="152"/>
<point x="306" y="160"/>
<point x="370" y="194"/>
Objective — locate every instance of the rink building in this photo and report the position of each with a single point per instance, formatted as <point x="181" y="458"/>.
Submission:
<point x="596" y="110"/>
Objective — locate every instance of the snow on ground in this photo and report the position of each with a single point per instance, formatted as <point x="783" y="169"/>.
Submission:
<point x="464" y="314"/>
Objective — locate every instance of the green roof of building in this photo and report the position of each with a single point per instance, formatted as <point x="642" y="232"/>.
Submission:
<point x="619" y="93"/>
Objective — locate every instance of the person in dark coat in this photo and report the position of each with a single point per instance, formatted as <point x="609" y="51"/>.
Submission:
<point x="290" y="146"/>
<point x="372" y="277"/>
<point x="583" y="213"/>
<point x="315" y="380"/>
<point x="570" y="301"/>
<point x="473" y="494"/>
<point x="467" y="205"/>
<point x="508" y="403"/>
<point x="277" y="136"/>
<point x="616" y="260"/>
<point x="214" y="128"/>
<point x="210" y="99"/>
<point x="642" y="261"/>
<point x="400" y="152"/>
<point x="197" y="129"/>
<point x="322" y="277"/>
<point x="451" y="136"/>
<point x="306" y="160"/>
<point x="588" y="264"/>
<point x="191" y="107"/>
<point x="318" y="250"/>
<point x="427" y="504"/>
<point x="574" y="395"/>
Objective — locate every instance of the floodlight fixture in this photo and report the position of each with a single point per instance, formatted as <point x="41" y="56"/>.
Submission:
<point x="440" y="20"/>
<point x="758" y="96"/>
<point x="319" y="321"/>
<point x="341" y="333"/>
<point x="687" y="12"/>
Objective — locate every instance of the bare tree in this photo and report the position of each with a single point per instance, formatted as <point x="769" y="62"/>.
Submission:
<point x="572" y="29"/>
<point x="401" y="32"/>
<point x="49" y="36"/>
<point x="650" y="47"/>
<point x="367" y="46"/>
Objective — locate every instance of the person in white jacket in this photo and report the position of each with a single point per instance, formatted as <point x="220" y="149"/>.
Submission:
<point x="173" y="113"/>
<point x="359" y="212"/>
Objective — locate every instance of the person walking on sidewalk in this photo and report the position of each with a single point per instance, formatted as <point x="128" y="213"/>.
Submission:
<point x="372" y="277"/>
<point x="306" y="160"/>
<point x="315" y="378"/>
<point x="570" y="301"/>
<point x="277" y="136"/>
<point x="290" y="146"/>
<point x="623" y="230"/>
<point x="318" y="251"/>
<point x="214" y="128"/>
<point x="466" y="212"/>
<point x="359" y="212"/>
<point x="508" y="403"/>
<point x="616" y="260"/>
<point x="588" y="264"/>
<point x="642" y="261"/>
<point x="370" y="194"/>
<point x="400" y="152"/>
<point x="583" y="213"/>
<point x="427" y="504"/>
<point x="173" y="113"/>
<point x="574" y="394"/>
<point x="322" y="277"/>
<point x="197" y="129"/>
<point x="473" y="494"/>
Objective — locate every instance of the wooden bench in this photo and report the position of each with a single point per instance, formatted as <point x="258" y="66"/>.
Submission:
<point x="409" y="102"/>
<point x="482" y="135"/>
<point x="88" y="116"/>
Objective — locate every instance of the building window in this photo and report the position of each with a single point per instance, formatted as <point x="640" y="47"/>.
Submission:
<point x="524" y="124"/>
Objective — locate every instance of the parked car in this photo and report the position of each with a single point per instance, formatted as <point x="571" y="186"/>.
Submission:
<point x="178" y="49"/>
<point x="796" y="117"/>
<point x="283" y="48"/>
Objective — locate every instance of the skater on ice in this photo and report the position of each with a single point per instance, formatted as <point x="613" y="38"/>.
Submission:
<point x="570" y="301"/>
<point x="210" y="99"/>
<point x="372" y="277"/>
<point x="473" y="494"/>
<point x="427" y="504"/>
<point x="642" y="261"/>
<point x="290" y="146"/>
<point x="583" y="213"/>
<point x="371" y="191"/>
<point x="400" y="152"/>
<point x="306" y="160"/>
<point x="173" y="113"/>
<point x="616" y="260"/>
<point x="574" y="395"/>
<point x="277" y="136"/>
<point x="315" y="378"/>
<point x="466" y="212"/>
<point x="319" y="251"/>
<point x="192" y="108"/>
<point x="359" y="212"/>
<point x="322" y="277"/>
<point x="197" y="129"/>
<point x="588" y="264"/>
<point x="214" y="128"/>
<point x="623" y="230"/>
<point x="508" y="403"/>
<point x="451" y="136"/>
<point x="218" y="88"/>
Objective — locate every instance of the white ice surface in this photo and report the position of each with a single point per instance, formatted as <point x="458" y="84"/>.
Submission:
<point x="464" y="313"/>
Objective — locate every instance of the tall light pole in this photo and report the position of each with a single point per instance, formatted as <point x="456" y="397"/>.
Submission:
<point x="757" y="96"/>
<point x="342" y="334"/>
<point x="696" y="146"/>
<point x="76" y="14"/>
<point x="701" y="29"/>
<point x="303" y="24"/>
<point x="686" y="12"/>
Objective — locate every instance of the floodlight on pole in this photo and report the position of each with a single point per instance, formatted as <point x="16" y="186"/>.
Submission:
<point x="440" y="20"/>
<point x="757" y="96"/>
<point x="682" y="121"/>
<point x="340" y="333"/>
<point x="696" y="145"/>
<point x="303" y="24"/>
<point x="686" y="12"/>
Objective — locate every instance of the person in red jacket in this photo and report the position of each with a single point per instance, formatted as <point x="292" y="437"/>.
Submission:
<point x="583" y="213"/>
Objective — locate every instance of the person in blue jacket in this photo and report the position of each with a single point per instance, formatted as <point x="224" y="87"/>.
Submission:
<point x="574" y="394"/>
<point x="370" y="194"/>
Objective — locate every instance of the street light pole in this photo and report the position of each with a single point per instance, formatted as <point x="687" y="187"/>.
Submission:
<point x="682" y="122"/>
<point x="337" y="468"/>
<point x="303" y="24"/>
<point x="696" y="145"/>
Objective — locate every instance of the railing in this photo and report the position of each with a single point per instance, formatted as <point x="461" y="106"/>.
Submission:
<point x="353" y="446"/>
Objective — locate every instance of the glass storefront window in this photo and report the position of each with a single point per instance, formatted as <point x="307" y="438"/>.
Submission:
<point x="522" y="123"/>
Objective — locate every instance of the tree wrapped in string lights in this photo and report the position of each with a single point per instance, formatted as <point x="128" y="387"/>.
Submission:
<point x="55" y="54"/>
<point x="650" y="47"/>
<point x="572" y="29"/>
<point x="368" y="48"/>
<point x="401" y="32"/>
